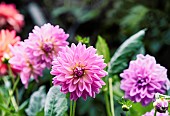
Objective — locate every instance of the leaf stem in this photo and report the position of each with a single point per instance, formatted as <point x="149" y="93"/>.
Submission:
<point x="155" y="112"/>
<point x="111" y="96"/>
<point x="126" y="113"/>
<point x="107" y="104"/>
<point x="74" y="108"/>
<point x="11" y="92"/>
<point x="71" y="107"/>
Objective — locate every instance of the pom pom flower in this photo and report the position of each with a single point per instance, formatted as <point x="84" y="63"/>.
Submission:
<point x="6" y="38"/>
<point x="143" y="79"/>
<point x="45" y="42"/>
<point x="26" y="66"/>
<point x="10" y="18"/>
<point x="79" y="71"/>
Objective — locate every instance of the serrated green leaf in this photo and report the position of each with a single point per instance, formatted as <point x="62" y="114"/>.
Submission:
<point x="37" y="102"/>
<point x="56" y="102"/>
<point x="103" y="49"/>
<point x="130" y="48"/>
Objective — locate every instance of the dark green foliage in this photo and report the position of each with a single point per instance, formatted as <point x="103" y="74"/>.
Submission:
<point x="130" y="48"/>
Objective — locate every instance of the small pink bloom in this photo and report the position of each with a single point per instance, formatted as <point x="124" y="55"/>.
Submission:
<point x="161" y="105"/>
<point x="79" y="71"/>
<point x="45" y="42"/>
<point x="6" y="38"/>
<point x="27" y="68"/>
<point x="10" y="18"/>
<point x="143" y="79"/>
<point x="151" y="113"/>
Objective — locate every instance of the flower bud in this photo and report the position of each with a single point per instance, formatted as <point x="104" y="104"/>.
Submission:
<point x="125" y="108"/>
<point x="161" y="105"/>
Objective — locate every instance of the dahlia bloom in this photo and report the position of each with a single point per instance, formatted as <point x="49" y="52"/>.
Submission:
<point x="45" y="42"/>
<point x="6" y="38"/>
<point x="10" y="17"/>
<point x="27" y="68"/>
<point x="79" y="71"/>
<point x="151" y="113"/>
<point x="143" y="79"/>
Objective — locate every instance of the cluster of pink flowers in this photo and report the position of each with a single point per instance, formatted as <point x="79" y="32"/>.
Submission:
<point x="7" y="38"/>
<point x="143" y="79"/>
<point x="10" y="18"/>
<point x="35" y="54"/>
<point x="79" y="71"/>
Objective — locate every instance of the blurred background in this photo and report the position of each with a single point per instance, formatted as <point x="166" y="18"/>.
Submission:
<point x="114" y="20"/>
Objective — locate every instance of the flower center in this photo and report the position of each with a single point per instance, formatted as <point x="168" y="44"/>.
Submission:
<point x="141" y="82"/>
<point x="78" y="72"/>
<point x="47" y="47"/>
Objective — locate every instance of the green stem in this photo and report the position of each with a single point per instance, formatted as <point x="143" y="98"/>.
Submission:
<point x="111" y="97"/>
<point x="10" y="72"/>
<point x="71" y="107"/>
<point x="155" y="113"/>
<point x="11" y="92"/>
<point x="74" y="108"/>
<point x="107" y="104"/>
<point x="126" y="113"/>
<point x="16" y="90"/>
<point x="51" y="79"/>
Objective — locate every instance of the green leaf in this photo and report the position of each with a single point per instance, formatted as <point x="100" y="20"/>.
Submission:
<point x="40" y="113"/>
<point x="22" y="107"/>
<point x="56" y="102"/>
<point x="37" y="102"/>
<point x="130" y="48"/>
<point x="139" y="110"/>
<point x="103" y="49"/>
<point x="84" y="40"/>
<point x="2" y="107"/>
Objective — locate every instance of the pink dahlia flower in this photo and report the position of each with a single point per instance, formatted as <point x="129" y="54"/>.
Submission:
<point x="45" y="42"/>
<point x="10" y="18"/>
<point x="143" y="79"/>
<point x="27" y="68"/>
<point x="151" y="113"/>
<point x="6" y="38"/>
<point x="79" y="71"/>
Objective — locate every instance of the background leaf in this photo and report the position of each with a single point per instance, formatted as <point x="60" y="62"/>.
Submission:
<point x="56" y="102"/>
<point x="130" y="48"/>
<point x="139" y="110"/>
<point x="132" y="20"/>
<point x="37" y="102"/>
<point x="103" y="49"/>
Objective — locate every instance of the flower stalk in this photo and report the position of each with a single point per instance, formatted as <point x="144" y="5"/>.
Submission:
<point x="72" y="107"/>
<point x="111" y="97"/>
<point x="155" y="113"/>
<point x="107" y="104"/>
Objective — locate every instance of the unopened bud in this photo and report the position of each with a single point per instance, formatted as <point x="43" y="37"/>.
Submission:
<point x="161" y="105"/>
